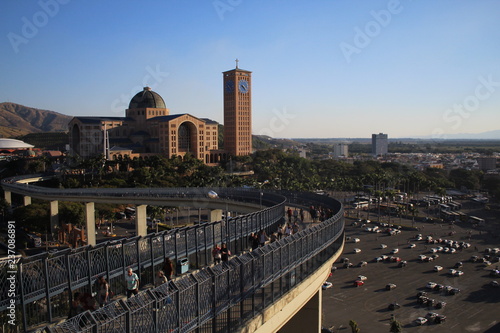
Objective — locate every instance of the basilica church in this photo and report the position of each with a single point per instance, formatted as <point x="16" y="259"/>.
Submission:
<point x="149" y="129"/>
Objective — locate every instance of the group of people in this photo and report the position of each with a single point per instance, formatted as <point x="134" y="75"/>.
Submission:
<point x="221" y="253"/>
<point x="82" y="302"/>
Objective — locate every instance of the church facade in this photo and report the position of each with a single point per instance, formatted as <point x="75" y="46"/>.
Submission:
<point x="149" y="129"/>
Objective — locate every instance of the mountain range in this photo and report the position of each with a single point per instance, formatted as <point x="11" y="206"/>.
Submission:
<point x="18" y="120"/>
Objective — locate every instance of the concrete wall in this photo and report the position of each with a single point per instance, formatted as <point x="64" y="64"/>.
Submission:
<point x="301" y="307"/>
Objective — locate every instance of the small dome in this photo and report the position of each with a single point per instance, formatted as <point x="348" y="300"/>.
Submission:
<point x="147" y="99"/>
<point x="13" y="144"/>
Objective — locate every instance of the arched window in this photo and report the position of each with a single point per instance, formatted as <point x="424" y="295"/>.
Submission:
<point x="184" y="138"/>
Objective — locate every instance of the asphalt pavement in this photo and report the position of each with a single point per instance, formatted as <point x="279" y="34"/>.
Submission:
<point x="476" y="308"/>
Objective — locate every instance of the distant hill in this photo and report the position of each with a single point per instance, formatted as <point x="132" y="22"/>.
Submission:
<point x="17" y="120"/>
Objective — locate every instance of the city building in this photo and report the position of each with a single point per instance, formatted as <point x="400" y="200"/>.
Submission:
<point x="238" y="111"/>
<point x="149" y="129"/>
<point x="340" y="150"/>
<point x="379" y="144"/>
<point x="486" y="163"/>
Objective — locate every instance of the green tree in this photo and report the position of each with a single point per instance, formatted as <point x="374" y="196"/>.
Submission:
<point x="395" y="326"/>
<point x="354" y="326"/>
<point x="71" y="212"/>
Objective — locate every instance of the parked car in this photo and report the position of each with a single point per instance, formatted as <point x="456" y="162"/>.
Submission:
<point x="430" y="285"/>
<point x="358" y="283"/>
<point x="362" y="264"/>
<point x="440" y="305"/>
<point x="494" y="284"/>
<point x="458" y="273"/>
<point x="356" y="240"/>
<point x="422" y="257"/>
<point x="390" y="286"/>
<point x="411" y="246"/>
<point x="431" y="315"/>
<point x="327" y="285"/>
<point x="383" y="246"/>
<point x="438" y="268"/>
<point x="402" y="264"/>
<point x="420" y="321"/>
<point x="394" y="251"/>
<point x="362" y="278"/>
<point x="356" y="250"/>
<point x="440" y="319"/>
<point x="394" y="306"/>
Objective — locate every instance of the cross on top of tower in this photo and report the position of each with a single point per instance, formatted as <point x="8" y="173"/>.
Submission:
<point x="237" y="61"/>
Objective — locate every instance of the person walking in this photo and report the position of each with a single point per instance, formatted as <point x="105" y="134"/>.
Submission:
<point x="132" y="283"/>
<point x="263" y="238"/>
<point x="225" y="253"/>
<point x="168" y="269"/>
<point x="160" y="278"/>
<point x="102" y="291"/>
<point x="216" y="254"/>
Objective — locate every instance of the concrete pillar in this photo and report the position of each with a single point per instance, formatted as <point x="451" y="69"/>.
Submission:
<point x="27" y="200"/>
<point x="141" y="229"/>
<point x="8" y="197"/>
<point x="90" y="223"/>
<point x="215" y="215"/>
<point x="308" y="319"/>
<point x="54" y="216"/>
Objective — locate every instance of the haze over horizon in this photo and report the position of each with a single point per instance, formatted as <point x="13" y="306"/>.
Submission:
<point x="328" y="69"/>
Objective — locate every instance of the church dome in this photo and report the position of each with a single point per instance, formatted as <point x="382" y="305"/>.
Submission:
<point x="147" y="99"/>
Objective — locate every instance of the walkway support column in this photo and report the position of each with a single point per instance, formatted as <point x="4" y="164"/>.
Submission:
<point x="8" y="197"/>
<point x="54" y="217"/>
<point x="215" y="215"/>
<point x="27" y="200"/>
<point x="308" y="319"/>
<point x="90" y="223"/>
<point x="141" y="229"/>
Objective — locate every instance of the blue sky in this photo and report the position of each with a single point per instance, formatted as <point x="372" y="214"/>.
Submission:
<point x="325" y="68"/>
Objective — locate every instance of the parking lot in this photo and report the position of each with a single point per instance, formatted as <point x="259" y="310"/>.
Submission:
<point x="474" y="309"/>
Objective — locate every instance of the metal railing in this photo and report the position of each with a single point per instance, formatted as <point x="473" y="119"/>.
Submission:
<point x="223" y="297"/>
<point x="45" y="282"/>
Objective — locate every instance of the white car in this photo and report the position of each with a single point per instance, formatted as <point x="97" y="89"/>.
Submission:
<point x="394" y="251"/>
<point x="356" y="250"/>
<point x="411" y="246"/>
<point x="362" y="277"/>
<point x="458" y="273"/>
<point x="383" y="246"/>
<point x="420" y="321"/>
<point x="453" y="250"/>
<point x="356" y="240"/>
<point x="422" y="257"/>
<point x="430" y="285"/>
<point x="452" y="271"/>
<point x="438" y="268"/>
<point x="327" y="285"/>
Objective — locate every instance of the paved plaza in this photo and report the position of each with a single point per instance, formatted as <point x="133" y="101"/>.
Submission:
<point x="475" y="308"/>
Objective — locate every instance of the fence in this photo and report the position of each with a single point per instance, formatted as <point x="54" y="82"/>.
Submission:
<point x="219" y="298"/>
<point x="45" y="283"/>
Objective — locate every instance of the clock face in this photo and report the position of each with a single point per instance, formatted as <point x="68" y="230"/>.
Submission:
<point x="229" y="87"/>
<point x="243" y="86"/>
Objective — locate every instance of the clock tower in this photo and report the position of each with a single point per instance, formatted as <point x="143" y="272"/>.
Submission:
<point x="237" y="111"/>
